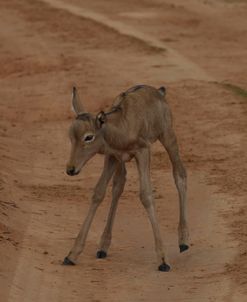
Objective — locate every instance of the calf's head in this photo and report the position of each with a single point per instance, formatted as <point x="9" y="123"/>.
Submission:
<point x="84" y="136"/>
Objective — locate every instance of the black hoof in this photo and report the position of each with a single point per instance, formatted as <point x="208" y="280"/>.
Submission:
<point x="183" y="247"/>
<point x="164" y="267"/>
<point x="66" y="261"/>
<point x="101" y="254"/>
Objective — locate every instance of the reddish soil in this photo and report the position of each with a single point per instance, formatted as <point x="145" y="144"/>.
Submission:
<point x="198" y="50"/>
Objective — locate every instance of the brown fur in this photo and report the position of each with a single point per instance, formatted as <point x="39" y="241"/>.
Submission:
<point x="140" y="116"/>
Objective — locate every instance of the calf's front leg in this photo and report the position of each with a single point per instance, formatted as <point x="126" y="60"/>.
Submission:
<point x="119" y="180"/>
<point x="98" y="196"/>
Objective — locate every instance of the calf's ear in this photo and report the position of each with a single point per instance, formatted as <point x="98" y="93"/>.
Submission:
<point x="162" y="90"/>
<point x="77" y="106"/>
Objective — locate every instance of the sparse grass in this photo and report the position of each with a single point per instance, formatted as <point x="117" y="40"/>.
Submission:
<point x="235" y="89"/>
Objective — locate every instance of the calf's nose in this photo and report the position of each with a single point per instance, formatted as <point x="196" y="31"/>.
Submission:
<point x="70" y="171"/>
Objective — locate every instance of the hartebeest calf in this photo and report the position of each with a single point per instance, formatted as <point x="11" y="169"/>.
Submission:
<point x="139" y="117"/>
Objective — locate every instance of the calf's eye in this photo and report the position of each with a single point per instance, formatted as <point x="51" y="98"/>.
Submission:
<point x="88" y="138"/>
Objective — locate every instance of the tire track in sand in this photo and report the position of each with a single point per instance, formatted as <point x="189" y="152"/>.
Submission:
<point x="190" y="69"/>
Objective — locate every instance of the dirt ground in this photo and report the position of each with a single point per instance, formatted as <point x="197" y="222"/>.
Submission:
<point x="198" y="50"/>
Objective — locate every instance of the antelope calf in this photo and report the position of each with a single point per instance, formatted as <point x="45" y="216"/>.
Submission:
<point x="139" y="117"/>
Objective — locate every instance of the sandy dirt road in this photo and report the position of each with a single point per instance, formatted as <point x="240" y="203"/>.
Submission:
<point x="105" y="47"/>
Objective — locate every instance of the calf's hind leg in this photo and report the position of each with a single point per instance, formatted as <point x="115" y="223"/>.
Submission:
<point x="169" y="141"/>
<point x="143" y="165"/>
